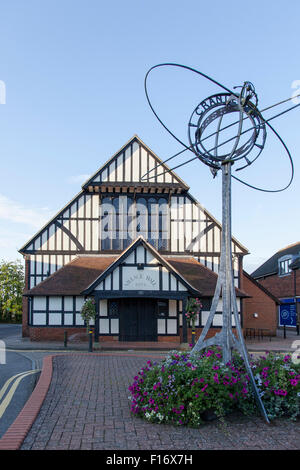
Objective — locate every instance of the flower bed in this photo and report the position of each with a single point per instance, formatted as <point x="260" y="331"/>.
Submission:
<point x="184" y="387"/>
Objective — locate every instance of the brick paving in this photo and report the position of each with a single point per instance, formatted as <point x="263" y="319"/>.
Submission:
<point x="87" y="407"/>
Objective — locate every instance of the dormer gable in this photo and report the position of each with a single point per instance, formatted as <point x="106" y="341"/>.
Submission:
<point x="142" y="269"/>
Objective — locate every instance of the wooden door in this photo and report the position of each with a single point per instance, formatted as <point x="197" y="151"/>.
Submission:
<point x="138" y="320"/>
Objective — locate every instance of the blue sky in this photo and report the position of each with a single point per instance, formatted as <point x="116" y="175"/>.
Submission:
<point x="74" y="78"/>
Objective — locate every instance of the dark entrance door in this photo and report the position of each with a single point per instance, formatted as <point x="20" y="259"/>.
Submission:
<point x="138" y="320"/>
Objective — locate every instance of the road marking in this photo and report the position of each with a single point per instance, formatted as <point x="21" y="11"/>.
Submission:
<point x="8" y="398"/>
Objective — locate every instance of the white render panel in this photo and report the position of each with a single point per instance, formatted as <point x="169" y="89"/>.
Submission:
<point x="181" y="287"/>
<point x="150" y="258"/>
<point x="140" y="254"/>
<point x="103" y="308"/>
<point x="161" y="327"/>
<point x="210" y="240"/>
<point x="80" y="236"/>
<point x="120" y="168"/>
<point x="39" y="319"/>
<point x="104" y="175"/>
<point x="172" y="308"/>
<point x="218" y="320"/>
<point x="95" y="235"/>
<point x="55" y="303"/>
<point x="173" y="283"/>
<point x="108" y="282"/>
<point x="78" y="319"/>
<point x="165" y="279"/>
<point x="39" y="303"/>
<point x="168" y="177"/>
<point x="174" y="236"/>
<point x="55" y="318"/>
<point x="88" y="205"/>
<point x="88" y="235"/>
<point x="114" y="326"/>
<point x="68" y="319"/>
<point x="73" y="210"/>
<point x="127" y="164"/>
<point x="104" y="326"/>
<point x="144" y="168"/>
<point x="112" y="172"/>
<point x="135" y="161"/>
<point x="217" y="239"/>
<point x="46" y="262"/>
<point x="95" y="206"/>
<point x="171" y="327"/>
<point x="204" y="317"/>
<point x="44" y="240"/>
<point x="181" y="236"/>
<point x="51" y="240"/>
<point x="79" y="303"/>
<point x="116" y="279"/>
<point x="130" y="258"/>
<point x="68" y="303"/>
<point x="60" y="261"/>
<point x="152" y="164"/>
<point x="99" y="286"/>
<point x="38" y="264"/>
<point x="146" y="279"/>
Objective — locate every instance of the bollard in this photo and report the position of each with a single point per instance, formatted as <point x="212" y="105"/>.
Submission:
<point x="65" y="339"/>
<point x="193" y="337"/>
<point x="90" y="340"/>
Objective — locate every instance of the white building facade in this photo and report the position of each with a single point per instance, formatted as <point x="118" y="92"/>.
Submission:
<point x="139" y="246"/>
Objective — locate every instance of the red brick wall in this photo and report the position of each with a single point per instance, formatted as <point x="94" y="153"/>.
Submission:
<point x="282" y="286"/>
<point x="57" y="334"/>
<point x="259" y="303"/>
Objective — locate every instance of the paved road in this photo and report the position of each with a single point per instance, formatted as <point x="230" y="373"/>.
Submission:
<point x="87" y="407"/>
<point x="17" y="380"/>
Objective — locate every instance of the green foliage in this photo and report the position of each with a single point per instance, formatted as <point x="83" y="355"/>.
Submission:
<point x="88" y="312"/>
<point x="184" y="386"/>
<point x="11" y="290"/>
<point x="192" y="310"/>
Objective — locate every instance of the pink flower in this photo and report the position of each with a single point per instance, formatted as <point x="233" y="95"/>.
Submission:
<point x="280" y="392"/>
<point x="294" y="382"/>
<point x="216" y="378"/>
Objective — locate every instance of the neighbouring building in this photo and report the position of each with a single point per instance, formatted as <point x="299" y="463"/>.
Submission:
<point x="280" y="275"/>
<point x="140" y="246"/>
<point x="260" y="309"/>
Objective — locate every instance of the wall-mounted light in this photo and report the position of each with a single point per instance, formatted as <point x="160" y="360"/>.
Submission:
<point x="255" y="315"/>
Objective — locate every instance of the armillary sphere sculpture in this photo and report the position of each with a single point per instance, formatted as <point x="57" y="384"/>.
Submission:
<point x="245" y="146"/>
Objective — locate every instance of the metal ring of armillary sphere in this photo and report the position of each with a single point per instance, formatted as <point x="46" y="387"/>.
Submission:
<point x="212" y="111"/>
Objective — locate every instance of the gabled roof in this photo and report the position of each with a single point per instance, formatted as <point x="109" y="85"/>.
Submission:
<point x="74" y="277"/>
<point x="84" y="273"/>
<point x="130" y="164"/>
<point x="140" y="241"/>
<point x="270" y="266"/>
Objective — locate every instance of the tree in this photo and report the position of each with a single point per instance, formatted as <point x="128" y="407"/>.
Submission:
<point x="11" y="290"/>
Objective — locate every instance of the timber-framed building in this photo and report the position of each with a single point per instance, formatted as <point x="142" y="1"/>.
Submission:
<point x="139" y="246"/>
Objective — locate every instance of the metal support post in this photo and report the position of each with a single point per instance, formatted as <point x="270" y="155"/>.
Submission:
<point x="225" y="286"/>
